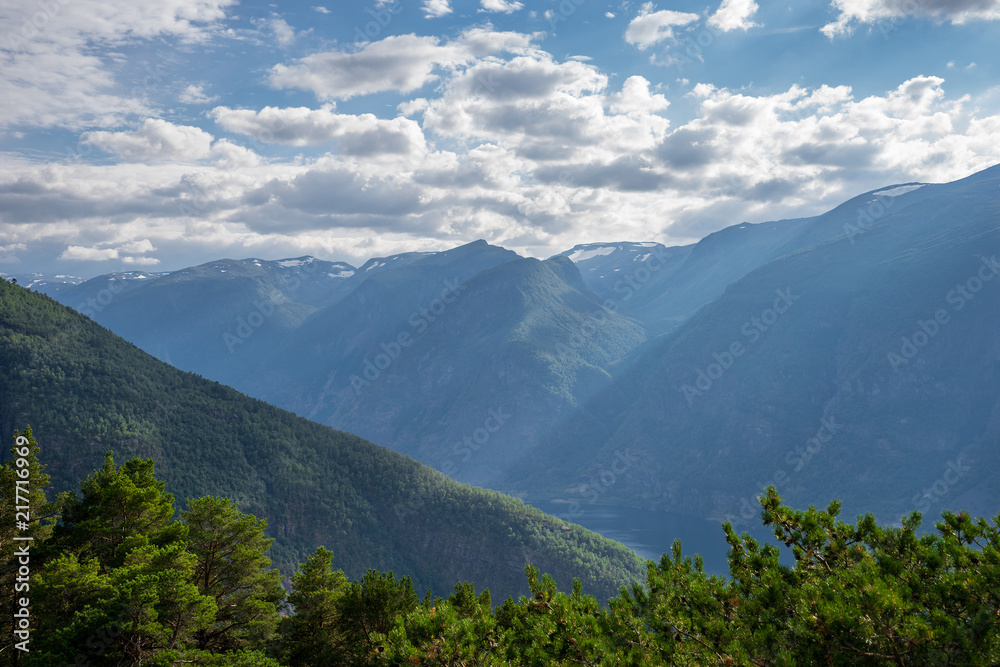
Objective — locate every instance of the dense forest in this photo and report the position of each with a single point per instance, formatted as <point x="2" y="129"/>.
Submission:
<point x="118" y="577"/>
<point x="86" y="391"/>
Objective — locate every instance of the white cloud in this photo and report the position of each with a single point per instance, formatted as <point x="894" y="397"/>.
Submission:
<point x="75" y="252"/>
<point x="856" y="12"/>
<point x="764" y="154"/>
<point x="321" y="10"/>
<point x="138" y="247"/>
<point x="636" y="98"/>
<point x="155" y="141"/>
<point x="53" y="75"/>
<point x="232" y="156"/>
<point x="436" y="8"/>
<point x="504" y="6"/>
<point x="195" y="94"/>
<point x="8" y="253"/>
<point x="96" y="254"/>
<point x="283" y="32"/>
<point x="508" y="143"/>
<point x="400" y="62"/>
<point x="734" y="15"/>
<point x="609" y="15"/>
<point x="651" y="27"/>
<point x="356" y="135"/>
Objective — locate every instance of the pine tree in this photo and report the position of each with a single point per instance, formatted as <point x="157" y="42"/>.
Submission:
<point x="120" y="509"/>
<point x="312" y="636"/>
<point x="233" y="569"/>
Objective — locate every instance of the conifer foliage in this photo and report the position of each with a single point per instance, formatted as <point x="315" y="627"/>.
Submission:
<point x="118" y="580"/>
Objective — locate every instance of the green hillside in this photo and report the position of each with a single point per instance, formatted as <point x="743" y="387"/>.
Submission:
<point x="86" y="391"/>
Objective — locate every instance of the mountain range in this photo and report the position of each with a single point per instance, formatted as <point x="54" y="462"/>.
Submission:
<point x="853" y="354"/>
<point x="85" y="391"/>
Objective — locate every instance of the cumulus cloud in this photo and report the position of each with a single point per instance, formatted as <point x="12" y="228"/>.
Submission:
<point x="97" y="254"/>
<point x="361" y="135"/>
<point x="283" y="33"/>
<point x="141" y="261"/>
<point x="155" y="141"/>
<point x="509" y="144"/>
<point x="503" y="6"/>
<point x="436" y="8"/>
<point x="75" y="252"/>
<point x="734" y="15"/>
<point x="400" y="62"/>
<point x="858" y="12"/>
<point x="652" y="27"/>
<point x="195" y="94"/>
<point x="233" y="156"/>
<point x="636" y="98"/>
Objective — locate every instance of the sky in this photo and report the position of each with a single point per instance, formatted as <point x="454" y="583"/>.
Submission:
<point x="153" y="136"/>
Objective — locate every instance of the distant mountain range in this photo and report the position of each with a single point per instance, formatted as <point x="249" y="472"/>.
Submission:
<point x="842" y="355"/>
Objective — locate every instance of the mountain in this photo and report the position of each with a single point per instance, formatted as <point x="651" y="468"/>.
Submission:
<point x="84" y="391"/>
<point x="474" y="378"/>
<point x="865" y="367"/>
<point x="626" y="272"/>
<point x="603" y="354"/>
<point x="46" y="283"/>
<point x="218" y="317"/>
<point x="673" y="283"/>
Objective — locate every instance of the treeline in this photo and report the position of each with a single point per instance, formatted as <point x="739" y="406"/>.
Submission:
<point x="116" y="579"/>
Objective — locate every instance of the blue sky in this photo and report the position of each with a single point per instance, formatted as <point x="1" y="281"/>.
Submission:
<point x="153" y="136"/>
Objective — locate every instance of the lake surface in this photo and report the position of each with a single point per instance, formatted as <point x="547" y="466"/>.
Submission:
<point x="651" y="534"/>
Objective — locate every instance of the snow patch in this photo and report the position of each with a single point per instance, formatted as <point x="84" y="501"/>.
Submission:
<point x="584" y="255"/>
<point x="288" y="263"/>
<point x="346" y="273"/>
<point x="375" y="266"/>
<point x="895" y="192"/>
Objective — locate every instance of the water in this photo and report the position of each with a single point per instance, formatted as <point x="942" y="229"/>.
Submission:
<point x="651" y="534"/>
